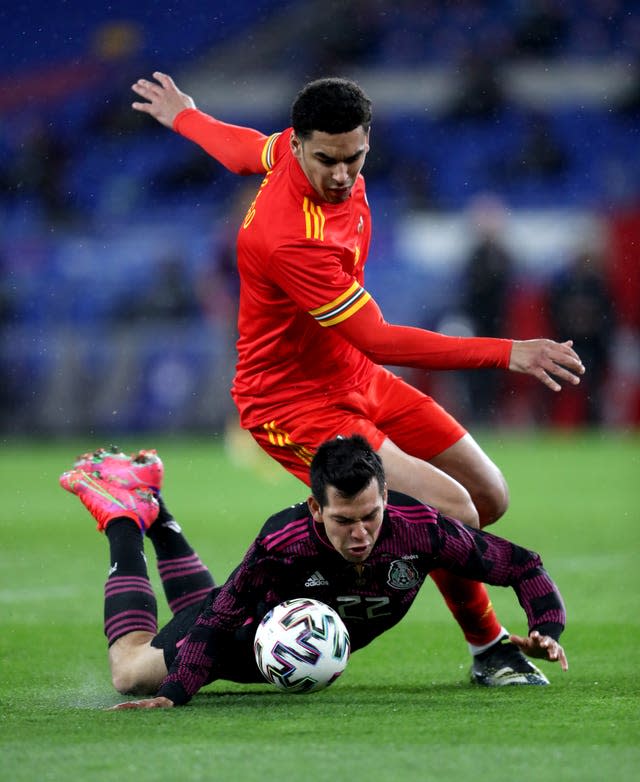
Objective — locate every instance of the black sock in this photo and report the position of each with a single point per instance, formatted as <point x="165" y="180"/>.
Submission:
<point x="129" y="601"/>
<point x="184" y="577"/>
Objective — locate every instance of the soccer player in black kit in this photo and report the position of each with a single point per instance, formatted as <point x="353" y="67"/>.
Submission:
<point x="362" y="550"/>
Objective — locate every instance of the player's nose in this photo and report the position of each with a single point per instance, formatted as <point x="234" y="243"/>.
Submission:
<point x="340" y="174"/>
<point x="359" y="531"/>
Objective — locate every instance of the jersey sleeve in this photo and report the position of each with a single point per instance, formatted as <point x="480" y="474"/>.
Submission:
<point x="240" y="149"/>
<point x="358" y="320"/>
<point x="481" y="556"/>
<point x="314" y="279"/>
<point x="317" y="283"/>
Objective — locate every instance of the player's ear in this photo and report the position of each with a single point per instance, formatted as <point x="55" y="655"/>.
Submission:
<point x="315" y="509"/>
<point x="296" y="146"/>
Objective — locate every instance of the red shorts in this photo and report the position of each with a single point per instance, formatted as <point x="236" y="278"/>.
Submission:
<point x="387" y="408"/>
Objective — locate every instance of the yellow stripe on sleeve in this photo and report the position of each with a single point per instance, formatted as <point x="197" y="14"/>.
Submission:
<point x="336" y="302"/>
<point x="349" y="311"/>
<point x="267" y="151"/>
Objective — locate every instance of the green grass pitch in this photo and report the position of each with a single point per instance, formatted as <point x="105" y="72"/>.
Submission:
<point x="402" y="710"/>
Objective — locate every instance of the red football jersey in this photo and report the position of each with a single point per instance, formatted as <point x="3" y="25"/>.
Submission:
<point x="301" y="262"/>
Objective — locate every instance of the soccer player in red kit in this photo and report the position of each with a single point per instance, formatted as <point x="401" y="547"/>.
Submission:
<point x="313" y="342"/>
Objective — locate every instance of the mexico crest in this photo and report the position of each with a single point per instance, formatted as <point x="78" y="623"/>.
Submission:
<point x="402" y="575"/>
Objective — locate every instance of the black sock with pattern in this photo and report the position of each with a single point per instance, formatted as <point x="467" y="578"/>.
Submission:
<point x="185" y="578"/>
<point x="129" y="600"/>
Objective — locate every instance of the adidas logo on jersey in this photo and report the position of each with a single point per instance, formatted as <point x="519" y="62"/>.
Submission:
<point x="316" y="580"/>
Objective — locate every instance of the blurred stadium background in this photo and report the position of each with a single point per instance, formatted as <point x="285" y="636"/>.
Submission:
<point x="504" y="180"/>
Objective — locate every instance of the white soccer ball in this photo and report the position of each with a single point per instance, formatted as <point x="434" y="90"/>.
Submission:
<point x="301" y="645"/>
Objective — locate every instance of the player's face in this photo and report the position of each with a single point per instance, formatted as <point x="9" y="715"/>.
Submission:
<point x="352" y="524"/>
<point x="332" y="161"/>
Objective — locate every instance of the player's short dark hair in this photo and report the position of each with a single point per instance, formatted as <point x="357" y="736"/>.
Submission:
<point x="346" y="463"/>
<point x="330" y="105"/>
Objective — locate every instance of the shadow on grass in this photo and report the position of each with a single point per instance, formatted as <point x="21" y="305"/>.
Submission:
<point x="362" y="695"/>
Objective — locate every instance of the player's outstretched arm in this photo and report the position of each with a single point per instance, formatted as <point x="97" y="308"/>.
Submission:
<point x="543" y="358"/>
<point x="238" y="148"/>
<point x="164" y="101"/>
<point x="148" y="703"/>
<point x="541" y="646"/>
<point x="386" y="343"/>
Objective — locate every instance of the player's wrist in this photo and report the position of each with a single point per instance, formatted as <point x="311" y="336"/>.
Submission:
<point x="175" y="692"/>
<point x="182" y="116"/>
<point x="552" y="629"/>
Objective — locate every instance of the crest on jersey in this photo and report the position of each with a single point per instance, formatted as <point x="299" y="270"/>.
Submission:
<point x="402" y="575"/>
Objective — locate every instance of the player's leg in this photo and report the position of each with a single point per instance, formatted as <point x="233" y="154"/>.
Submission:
<point x="466" y="462"/>
<point x="467" y="600"/>
<point x="495" y="663"/>
<point x="418" y="428"/>
<point x="427" y="483"/>
<point x="421" y="430"/>
<point x="137" y="667"/>
<point x="185" y="578"/>
<point x="140" y="660"/>
<point x="428" y="438"/>
<point x="130" y="609"/>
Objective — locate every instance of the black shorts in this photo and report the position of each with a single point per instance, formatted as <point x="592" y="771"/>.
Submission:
<point x="236" y="664"/>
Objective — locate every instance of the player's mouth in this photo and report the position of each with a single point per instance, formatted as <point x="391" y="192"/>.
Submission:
<point x="359" y="552"/>
<point x="337" y="194"/>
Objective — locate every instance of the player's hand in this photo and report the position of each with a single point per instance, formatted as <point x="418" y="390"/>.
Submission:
<point x="164" y="99"/>
<point x="541" y="646"/>
<point x="543" y="358"/>
<point x="148" y="703"/>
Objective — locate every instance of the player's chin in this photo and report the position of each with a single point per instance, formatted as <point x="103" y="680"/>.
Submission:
<point x="358" y="554"/>
<point x="338" y="195"/>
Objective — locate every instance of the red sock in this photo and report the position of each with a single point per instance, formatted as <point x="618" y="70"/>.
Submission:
<point x="469" y="603"/>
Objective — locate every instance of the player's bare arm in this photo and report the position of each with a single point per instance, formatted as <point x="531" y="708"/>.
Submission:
<point x="541" y="646"/>
<point x="147" y="703"/>
<point x="164" y="101"/>
<point x="543" y="358"/>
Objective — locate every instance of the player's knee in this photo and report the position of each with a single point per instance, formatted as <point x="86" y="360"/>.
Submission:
<point x="492" y="501"/>
<point x="136" y="667"/>
<point x="124" y="682"/>
<point x="132" y="677"/>
<point x="127" y="681"/>
<point x="467" y="512"/>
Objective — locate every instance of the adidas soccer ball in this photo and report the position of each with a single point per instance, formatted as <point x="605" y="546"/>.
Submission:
<point x="301" y="645"/>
